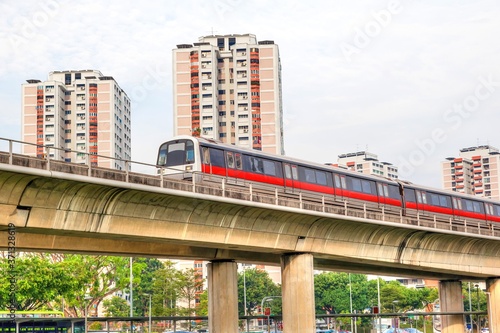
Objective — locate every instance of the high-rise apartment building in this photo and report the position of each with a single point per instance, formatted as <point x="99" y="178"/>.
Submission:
<point x="366" y="163"/>
<point x="228" y="88"/>
<point x="475" y="171"/>
<point x="82" y="111"/>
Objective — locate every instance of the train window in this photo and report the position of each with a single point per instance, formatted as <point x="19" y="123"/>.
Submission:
<point x="496" y="210"/>
<point x="307" y="175"/>
<point x="269" y="168"/>
<point x="217" y="157"/>
<point x="478" y="207"/>
<point x="473" y="206"/>
<point x="337" y="181"/>
<point x="394" y="192"/>
<point x="237" y="158"/>
<point x="381" y="190"/>
<point x="386" y="191"/>
<point x="457" y="203"/>
<point x="489" y="209"/>
<point x="189" y="152"/>
<point x="366" y="186"/>
<point x="360" y="185"/>
<point x="419" y="196"/>
<point x="410" y="195"/>
<point x="288" y="171"/>
<point x="295" y="174"/>
<point x="444" y="201"/>
<point x="206" y="155"/>
<point x="343" y="182"/>
<point x="230" y="160"/>
<point x="434" y="199"/>
<point x="321" y="177"/>
<point x="424" y="198"/>
<point x="356" y="184"/>
<point x="176" y="153"/>
<point x="251" y="163"/>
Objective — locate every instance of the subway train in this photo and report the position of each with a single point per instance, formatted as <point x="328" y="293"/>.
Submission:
<point x="184" y="156"/>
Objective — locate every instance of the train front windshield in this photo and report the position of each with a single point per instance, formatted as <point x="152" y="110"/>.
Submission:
<point x="178" y="152"/>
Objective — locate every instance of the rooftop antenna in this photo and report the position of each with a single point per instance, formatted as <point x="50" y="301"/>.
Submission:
<point x="212" y="31"/>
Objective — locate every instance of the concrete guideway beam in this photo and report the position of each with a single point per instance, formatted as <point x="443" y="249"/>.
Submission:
<point x="298" y="293"/>
<point x="222" y="297"/>
<point x="39" y="204"/>
<point x="450" y="300"/>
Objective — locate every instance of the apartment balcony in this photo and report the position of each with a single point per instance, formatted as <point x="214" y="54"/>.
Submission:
<point x="476" y="171"/>
<point x="478" y="177"/>
<point x="458" y="167"/>
<point x="476" y="164"/>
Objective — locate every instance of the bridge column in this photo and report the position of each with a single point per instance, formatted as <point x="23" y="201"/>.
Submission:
<point x="222" y="297"/>
<point x="298" y="293"/>
<point x="493" y="289"/>
<point x="450" y="300"/>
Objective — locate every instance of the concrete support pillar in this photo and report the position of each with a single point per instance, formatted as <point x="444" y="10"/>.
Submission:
<point x="450" y="300"/>
<point x="222" y="297"/>
<point x="298" y="293"/>
<point x="493" y="298"/>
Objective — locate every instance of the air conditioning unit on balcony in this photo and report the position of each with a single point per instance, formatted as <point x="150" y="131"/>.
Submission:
<point x="245" y="108"/>
<point x="205" y="132"/>
<point x="204" y="88"/>
<point x="203" y="55"/>
<point x="82" y="148"/>
<point x="245" y="97"/>
<point x="243" y="53"/>
<point x="245" y="131"/>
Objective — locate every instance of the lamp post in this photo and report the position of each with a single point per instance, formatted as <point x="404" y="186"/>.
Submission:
<point x="245" y="294"/>
<point x="86" y="299"/>
<point x="396" y="321"/>
<point x="478" y="319"/>
<point x="149" y="314"/>
<point x="267" y="298"/>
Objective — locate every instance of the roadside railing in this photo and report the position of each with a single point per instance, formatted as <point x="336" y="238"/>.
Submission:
<point x="170" y="178"/>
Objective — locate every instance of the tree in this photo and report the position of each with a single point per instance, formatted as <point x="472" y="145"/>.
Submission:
<point x="95" y="276"/>
<point x="144" y="274"/>
<point x="165" y="290"/>
<point x="39" y="281"/>
<point x="116" y="307"/>
<point x="258" y="286"/>
<point x="190" y="283"/>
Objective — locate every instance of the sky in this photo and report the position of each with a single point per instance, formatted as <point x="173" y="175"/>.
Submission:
<point x="412" y="81"/>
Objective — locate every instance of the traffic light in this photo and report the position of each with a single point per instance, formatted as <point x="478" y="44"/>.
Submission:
<point x="375" y="310"/>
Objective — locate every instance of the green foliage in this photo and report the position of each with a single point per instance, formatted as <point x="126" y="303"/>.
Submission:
<point x="38" y="279"/>
<point x="258" y="285"/>
<point x="116" y="307"/>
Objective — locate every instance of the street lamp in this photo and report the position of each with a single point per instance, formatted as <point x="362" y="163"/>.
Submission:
<point x="396" y="321"/>
<point x="149" y="313"/>
<point x="478" y="318"/>
<point x="86" y="299"/>
<point x="267" y="298"/>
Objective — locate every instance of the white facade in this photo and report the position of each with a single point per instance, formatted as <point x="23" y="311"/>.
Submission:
<point x="79" y="110"/>
<point x="367" y="163"/>
<point x="475" y="171"/>
<point x="228" y="88"/>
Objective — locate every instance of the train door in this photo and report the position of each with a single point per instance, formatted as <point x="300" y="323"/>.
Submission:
<point x="234" y="166"/>
<point x="291" y="177"/>
<point x="457" y="206"/>
<point x="383" y="192"/>
<point x="421" y="202"/>
<point x="340" y="184"/>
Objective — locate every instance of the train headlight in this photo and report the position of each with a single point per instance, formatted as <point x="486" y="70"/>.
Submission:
<point x="189" y="168"/>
